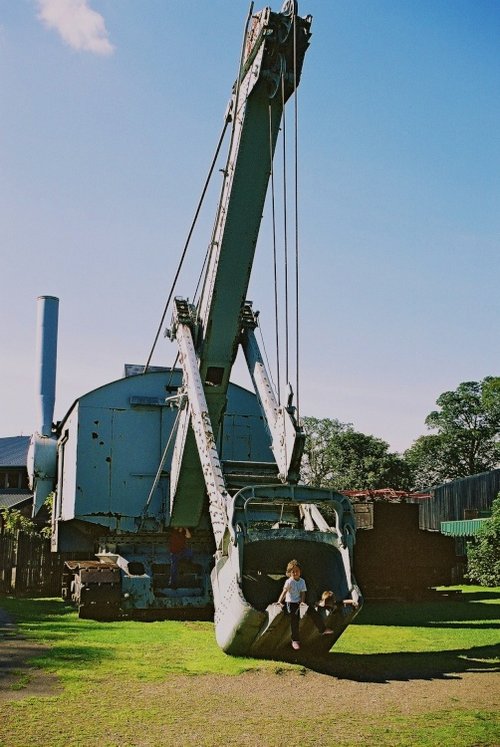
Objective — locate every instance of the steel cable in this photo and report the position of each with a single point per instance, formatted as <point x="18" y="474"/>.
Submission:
<point x="285" y="232"/>
<point x="275" y="256"/>
<point x="297" y="263"/>
<point x="186" y="245"/>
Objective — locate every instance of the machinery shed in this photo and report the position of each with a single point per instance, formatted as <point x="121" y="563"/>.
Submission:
<point x="394" y="557"/>
<point x="111" y="444"/>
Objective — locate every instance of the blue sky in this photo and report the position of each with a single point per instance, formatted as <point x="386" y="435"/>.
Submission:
<point x="109" y="115"/>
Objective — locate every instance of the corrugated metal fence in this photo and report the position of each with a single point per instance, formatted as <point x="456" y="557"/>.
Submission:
<point x="27" y="565"/>
<point x="457" y="500"/>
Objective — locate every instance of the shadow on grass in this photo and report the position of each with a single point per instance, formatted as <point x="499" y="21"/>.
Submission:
<point x="68" y="657"/>
<point x="53" y="619"/>
<point x="478" y="596"/>
<point x="34" y="609"/>
<point x="14" y="658"/>
<point x="408" y="666"/>
<point x="463" y="612"/>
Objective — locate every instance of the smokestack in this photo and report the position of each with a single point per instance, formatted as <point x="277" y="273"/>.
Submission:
<point x="46" y="360"/>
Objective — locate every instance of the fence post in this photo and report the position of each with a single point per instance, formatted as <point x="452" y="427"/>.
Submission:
<point x="15" y="555"/>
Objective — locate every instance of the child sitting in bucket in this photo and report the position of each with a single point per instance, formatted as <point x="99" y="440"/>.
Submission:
<point x="327" y="606"/>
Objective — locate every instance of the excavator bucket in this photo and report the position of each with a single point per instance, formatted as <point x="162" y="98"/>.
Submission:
<point x="271" y="525"/>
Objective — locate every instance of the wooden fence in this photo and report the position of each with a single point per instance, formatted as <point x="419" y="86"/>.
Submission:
<point x="27" y="565"/>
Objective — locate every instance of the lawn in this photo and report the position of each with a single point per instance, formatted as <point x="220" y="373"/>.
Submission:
<point x="402" y="674"/>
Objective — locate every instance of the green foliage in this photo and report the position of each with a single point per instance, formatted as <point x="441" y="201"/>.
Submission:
<point x="467" y="440"/>
<point x="48" y="503"/>
<point x="483" y="553"/>
<point x="13" y="521"/>
<point x="425" y="461"/>
<point x="339" y="457"/>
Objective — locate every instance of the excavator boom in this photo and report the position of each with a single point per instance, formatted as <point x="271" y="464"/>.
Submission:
<point x="259" y="528"/>
<point x="274" y="49"/>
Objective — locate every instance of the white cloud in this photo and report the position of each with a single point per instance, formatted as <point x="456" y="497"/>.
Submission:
<point x="77" y="24"/>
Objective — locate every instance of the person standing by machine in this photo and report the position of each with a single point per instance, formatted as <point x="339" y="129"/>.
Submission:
<point x="179" y="550"/>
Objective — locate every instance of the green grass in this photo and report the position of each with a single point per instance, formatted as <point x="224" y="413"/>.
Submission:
<point x="84" y="649"/>
<point x="431" y="638"/>
<point x="146" y="684"/>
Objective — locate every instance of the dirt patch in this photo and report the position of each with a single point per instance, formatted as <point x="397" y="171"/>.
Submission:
<point x="19" y="678"/>
<point x="322" y="694"/>
<point x="271" y="693"/>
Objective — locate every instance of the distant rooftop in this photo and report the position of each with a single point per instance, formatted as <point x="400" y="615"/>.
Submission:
<point x="14" y="451"/>
<point x="385" y="494"/>
<point x="14" y="498"/>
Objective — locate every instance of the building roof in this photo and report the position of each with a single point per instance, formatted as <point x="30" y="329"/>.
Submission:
<point x="14" y="498"/>
<point x="14" y="451"/>
<point x="385" y="494"/>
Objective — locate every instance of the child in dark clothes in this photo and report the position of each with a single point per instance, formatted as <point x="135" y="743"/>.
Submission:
<point x="327" y="606"/>
<point x="179" y="550"/>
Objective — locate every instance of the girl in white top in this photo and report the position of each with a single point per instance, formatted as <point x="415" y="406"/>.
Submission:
<point x="294" y="592"/>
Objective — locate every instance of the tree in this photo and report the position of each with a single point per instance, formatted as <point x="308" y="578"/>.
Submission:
<point x="13" y="520"/>
<point x="468" y="435"/>
<point x="483" y="553"/>
<point x="424" y="460"/>
<point x="339" y="457"/>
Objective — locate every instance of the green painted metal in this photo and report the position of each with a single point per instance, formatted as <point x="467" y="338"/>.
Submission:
<point x="260" y="528"/>
<point x="465" y="528"/>
<point x="256" y="112"/>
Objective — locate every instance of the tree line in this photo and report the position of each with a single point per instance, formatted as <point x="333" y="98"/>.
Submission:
<point x="465" y="440"/>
